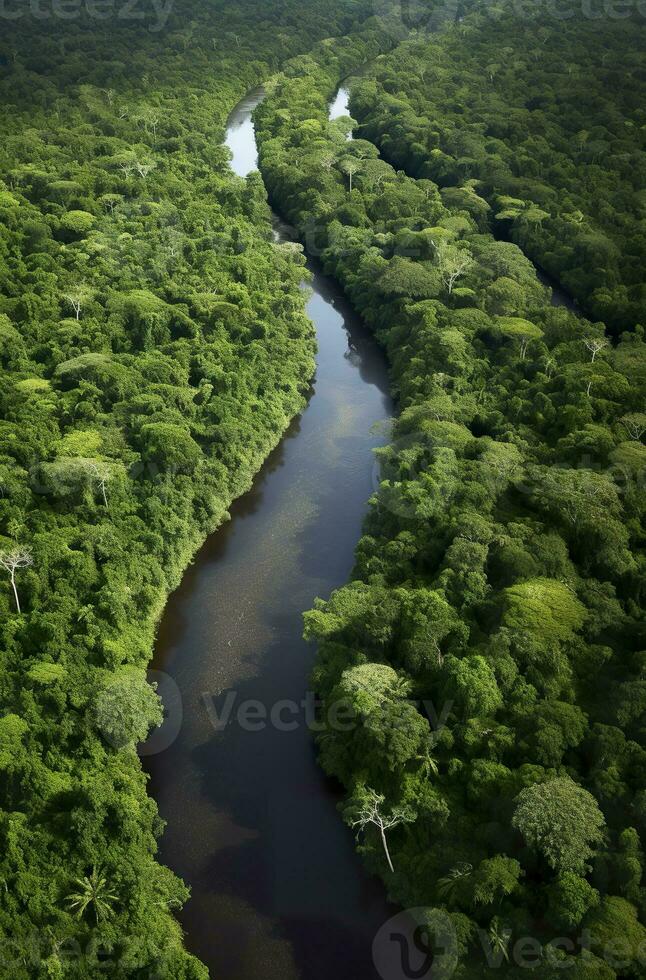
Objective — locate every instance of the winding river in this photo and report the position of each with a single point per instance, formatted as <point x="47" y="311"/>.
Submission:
<point x="278" y="891"/>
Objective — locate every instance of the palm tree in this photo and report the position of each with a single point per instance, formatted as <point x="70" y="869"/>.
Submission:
<point x="448" y="885"/>
<point x="499" y="937"/>
<point x="93" y="891"/>
<point x="428" y="764"/>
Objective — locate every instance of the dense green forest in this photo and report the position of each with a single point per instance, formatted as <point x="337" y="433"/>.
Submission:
<point x="501" y="573"/>
<point x="154" y="348"/>
<point x="536" y="126"/>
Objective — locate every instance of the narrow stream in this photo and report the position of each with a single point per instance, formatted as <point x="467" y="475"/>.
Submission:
<point x="278" y="891"/>
<point x="339" y="105"/>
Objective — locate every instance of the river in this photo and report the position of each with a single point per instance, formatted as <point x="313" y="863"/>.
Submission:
<point x="339" y="105"/>
<point x="278" y="891"/>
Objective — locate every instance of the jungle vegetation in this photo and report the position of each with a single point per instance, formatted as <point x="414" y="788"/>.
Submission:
<point x="490" y="644"/>
<point x="543" y="119"/>
<point x="154" y="348"/>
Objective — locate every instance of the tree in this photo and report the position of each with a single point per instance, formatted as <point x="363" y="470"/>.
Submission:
<point x="471" y="684"/>
<point x="544" y="608"/>
<point x="634" y="424"/>
<point x="499" y="937"/>
<point x="495" y="877"/>
<point x="144" y="168"/>
<point x="401" y="277"/>
<point x="594" y="345"/>
<point x="77" y="223"/>
<point x="523" y="214"/>
<point x="428" y="620"/>
<point x="630" y="865"/>
<point x="520" y="329"/>
<point x="111" y="201"/>
<point x="385" y="729"/>
<point x="127" y="708"/>
<point x="101" y="475"/>
<point x="570" y="897"/>
<point x="366" y="808"/>
<point x="505" y="297"/>
<point x="451" y="884"/>
<point x="350" y="166"/>
<point x="615" y="918"/>
<point x="453" y="262"/>
<point x="13" y="560"/>
<point x="13" y="730"/>
<point x="150" y="118"/>
<point x="562" y="821"/>
<point x="93" y="892"/>
<point x="170" y="446"/>
<point x="77" y="296"/>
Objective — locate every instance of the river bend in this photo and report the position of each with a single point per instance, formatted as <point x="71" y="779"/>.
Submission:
<point x="278" y="891"/>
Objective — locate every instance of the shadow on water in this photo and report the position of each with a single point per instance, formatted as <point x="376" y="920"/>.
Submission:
<point x="278" y="891"/>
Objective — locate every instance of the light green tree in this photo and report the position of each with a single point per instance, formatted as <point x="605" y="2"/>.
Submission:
<point x="560" y="820"/>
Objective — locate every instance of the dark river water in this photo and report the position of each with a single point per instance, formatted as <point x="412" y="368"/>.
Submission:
<point x="278" y="891"/>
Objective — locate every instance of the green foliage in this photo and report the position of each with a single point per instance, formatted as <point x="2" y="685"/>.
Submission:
<point x="617" y="934"/>
<point x="12" y="732"/>
<point x="570" y="898"/>
<point x="495" y="878"/>
<point x="544" y="608"/>
<point x="535" y="127"/>
<point x="126" y="708"/>
<point x="93" y="895"/>
<point x="471" y="683"/>
<point x="170" y="446"/>
<point x="562" y="821"/>
<point x="487" y="653"/>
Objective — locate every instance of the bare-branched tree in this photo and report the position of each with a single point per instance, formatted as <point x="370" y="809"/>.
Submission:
<point x="13" y="560"/>
<point x="595" y="344"/>
<point x="452" y="263"/>
<point x="101" y="476"/>
<point x="350" y="166"/>
<point x="77" y="296"/>
<point x="370" y="812"/>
